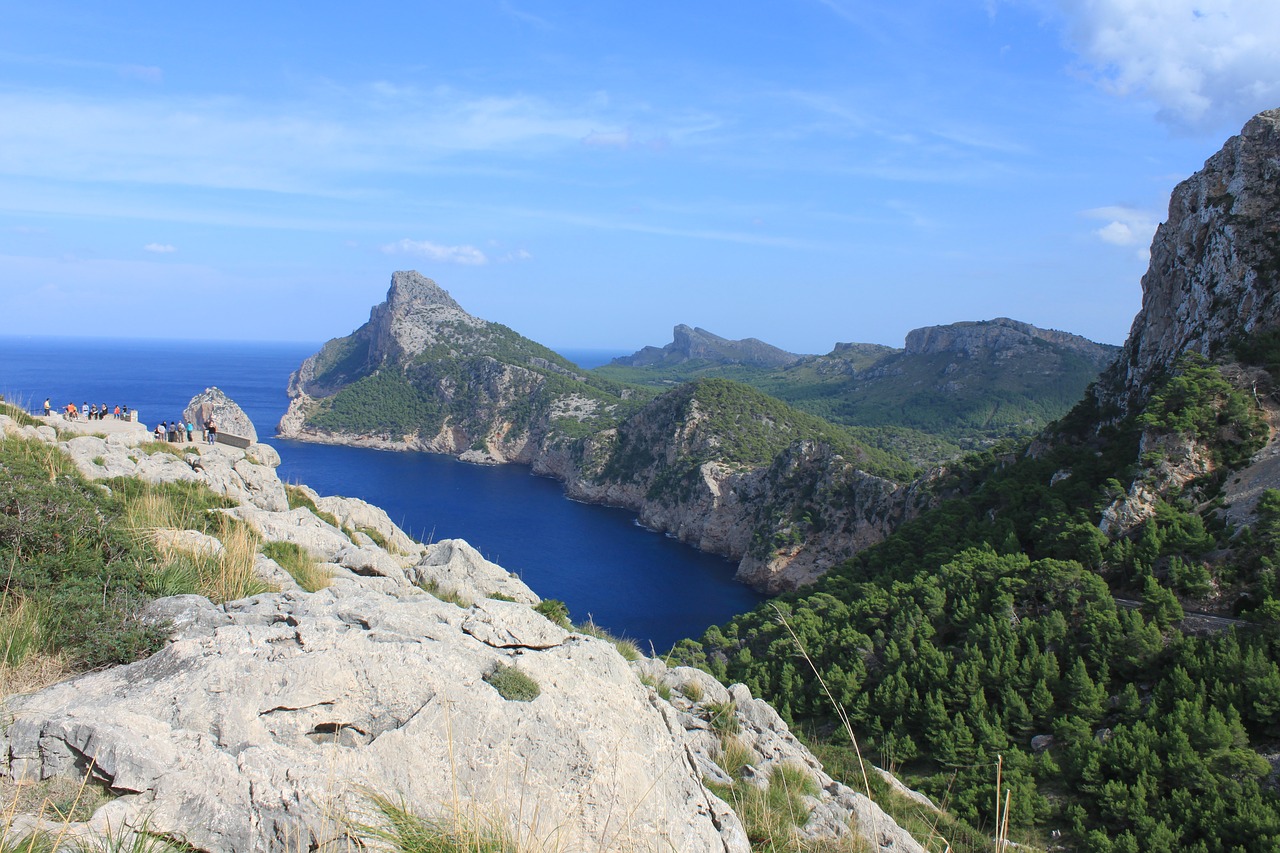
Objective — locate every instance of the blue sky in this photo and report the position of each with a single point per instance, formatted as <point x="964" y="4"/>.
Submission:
<point x="593" y="173"/>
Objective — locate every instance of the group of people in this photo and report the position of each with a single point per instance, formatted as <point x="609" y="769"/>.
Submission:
<point x="173" y="431"/>
<point x="89" y="411"/>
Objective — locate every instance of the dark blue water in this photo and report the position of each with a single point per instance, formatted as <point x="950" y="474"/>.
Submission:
<point x="632" y="581"/>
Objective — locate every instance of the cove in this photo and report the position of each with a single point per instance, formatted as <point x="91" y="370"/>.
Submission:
<point x="632" y="581"/>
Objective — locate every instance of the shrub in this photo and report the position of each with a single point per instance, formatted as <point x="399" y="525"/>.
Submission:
<point x="555" y="610"/>
<point x="513" y="684"/>
<point x="723" y="717"/>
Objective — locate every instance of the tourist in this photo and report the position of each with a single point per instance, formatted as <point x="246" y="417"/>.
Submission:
<point x="191" y="429"/>
<point x="211" y="430"/>
<point x="47" y="407"/>
<point x="117" y="413"/>
<point x="159" y="433"/>
<point x="93" y="412"/>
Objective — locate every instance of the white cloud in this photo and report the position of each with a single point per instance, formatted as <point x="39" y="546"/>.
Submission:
<point x="1203" y="64"/>
<point x="159" y="248"/>
<point x="1126" y="227"/>
<point x="465" y="255"/>
<point x="1117" y="234"/>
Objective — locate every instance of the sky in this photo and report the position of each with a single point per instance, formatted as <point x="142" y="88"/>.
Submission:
<point x="593" y="173"/>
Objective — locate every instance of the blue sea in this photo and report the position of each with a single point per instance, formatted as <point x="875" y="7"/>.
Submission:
<point x="634" y="582"/>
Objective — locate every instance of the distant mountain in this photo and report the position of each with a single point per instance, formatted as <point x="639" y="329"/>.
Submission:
<point x="968" y="383"/>
<point x="704" y="348"/>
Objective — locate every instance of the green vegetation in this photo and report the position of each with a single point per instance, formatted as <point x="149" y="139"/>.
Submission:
<point x="991" y="620"/>
<point x="555" y="610"/>
<point x="18" y="414"/>
<point x="81" y="560"/>
<point x="75" y="575"/>
<point x="513" y="684"/>
<point x="930" y="405"/>
<point x="719" y="420"/>
<point x="298" y="498"/>
<point x="300" y="565"/>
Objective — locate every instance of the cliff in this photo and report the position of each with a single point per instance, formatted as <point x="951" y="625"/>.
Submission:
<point x="1215" y="265"/>
<point x="695" y="462"/>
<point x="279" y="721"/>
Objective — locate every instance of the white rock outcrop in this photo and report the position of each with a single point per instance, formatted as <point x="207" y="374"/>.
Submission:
<point x="268" y="723"/>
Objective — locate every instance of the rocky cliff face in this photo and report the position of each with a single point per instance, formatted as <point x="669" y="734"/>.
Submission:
<point x="1002" y="337"/>
<point x="267" y="723"/>
<point x="1215" y="265"/>
<point x="424" y="375"/>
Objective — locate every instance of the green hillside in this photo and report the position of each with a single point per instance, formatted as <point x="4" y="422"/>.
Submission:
<point x="995" y="619"/>
<point x="934" y="404"/>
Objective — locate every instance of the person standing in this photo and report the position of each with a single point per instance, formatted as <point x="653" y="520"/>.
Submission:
<point x="191" y="429"/>
<point x="212" y="430"/>
<point x="47" y="407"/>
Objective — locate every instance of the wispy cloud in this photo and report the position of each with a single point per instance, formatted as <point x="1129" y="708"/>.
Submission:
<point x="159" y="248"/>
<point x="524" y="17"/>
<point x="233" y="143"/>
<point x="1202" y="64"/>
<point x="464" y="254"/>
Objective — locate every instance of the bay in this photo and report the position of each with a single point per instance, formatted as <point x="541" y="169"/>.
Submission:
<point x="632" y="581"/>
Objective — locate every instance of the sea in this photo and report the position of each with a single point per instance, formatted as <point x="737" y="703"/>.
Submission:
<point x="634" y="582"/>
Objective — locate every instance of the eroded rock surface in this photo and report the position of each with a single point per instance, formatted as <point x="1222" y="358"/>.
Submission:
<point x="265" y="723"/>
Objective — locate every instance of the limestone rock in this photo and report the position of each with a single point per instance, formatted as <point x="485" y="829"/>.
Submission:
<point x="1215" y="264"/>
<point x="356" y="514"/>
<point x="264" y="719"/>
<point x="213" y="404"/>
<point x="299" y="526"/>
<point x="453" y="565"/>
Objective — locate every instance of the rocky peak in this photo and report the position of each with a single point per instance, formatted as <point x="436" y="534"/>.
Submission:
<point x="995" y="336"/>
<point x="1215" y="264"/>
<point x="695" y="344"/>
<point x="416" y="314"/>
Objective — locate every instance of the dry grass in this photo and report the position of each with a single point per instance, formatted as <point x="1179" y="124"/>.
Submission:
<point x="25" y="664"/>
<point x="227" y="575"/>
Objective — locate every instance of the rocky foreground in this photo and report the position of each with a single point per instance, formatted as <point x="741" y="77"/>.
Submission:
<point x="268" y="723"/>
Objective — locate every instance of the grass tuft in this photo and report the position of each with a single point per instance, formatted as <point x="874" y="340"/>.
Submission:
<point x="402" y="831"/>
<point x="444" y="593"/>
<point x="300" y="565"/>
<point x="512" y="684"/>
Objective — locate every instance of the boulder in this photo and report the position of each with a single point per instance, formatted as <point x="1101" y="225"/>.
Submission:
<point x="453" y="565"/>
<point x="212" y="404"/>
